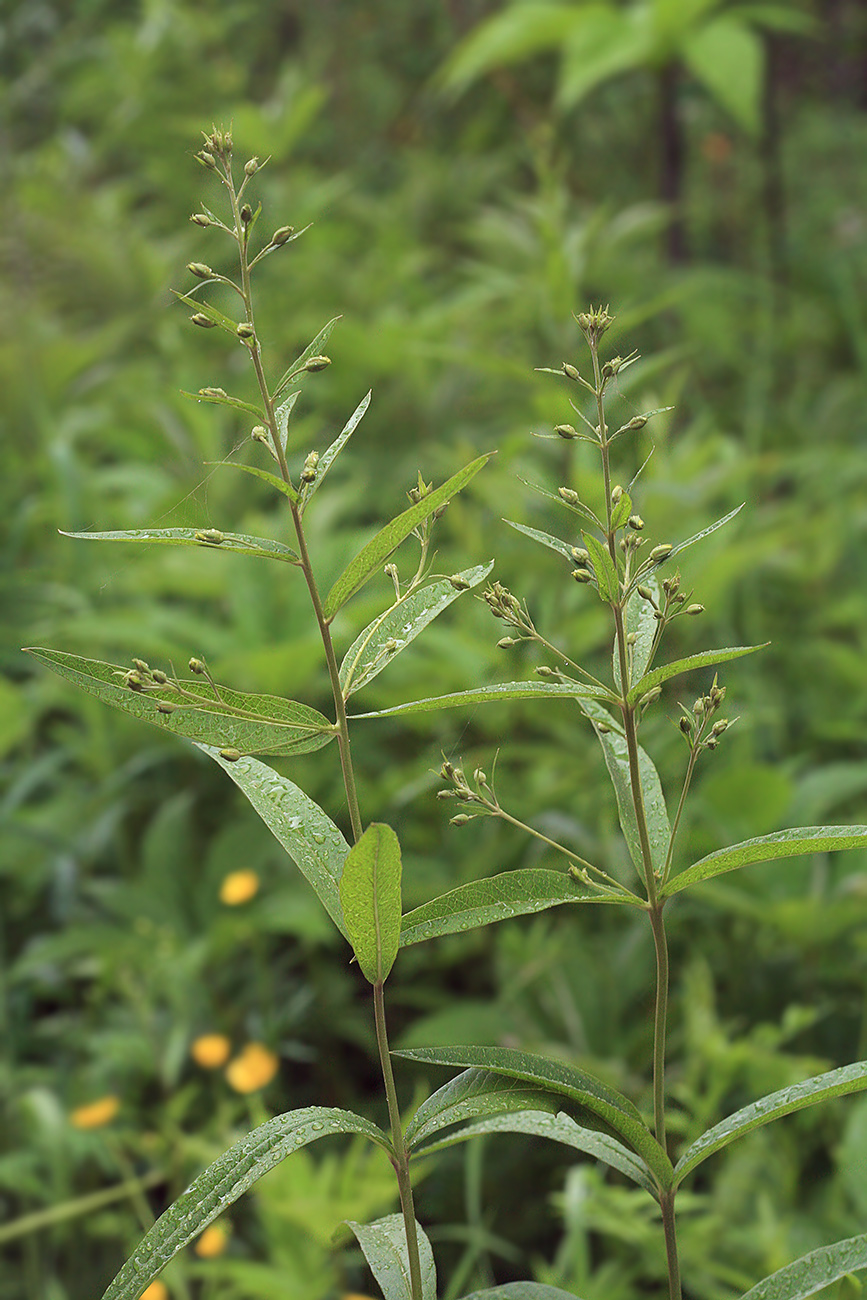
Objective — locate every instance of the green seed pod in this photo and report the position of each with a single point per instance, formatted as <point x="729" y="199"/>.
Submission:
<point x="685" y="725"/>
<point x="566" y="431"/>
<point x="196" y="666"/>
<point x="460" y="820"/>
<point x="636" y="522"/>
<point x="569" y="495"/>
<point x="204" y="322"/>
<point x="201" y="219"/>
<point x="212" y="536"/>
<point x="646" y="594"/>
<point x="282" y="235"/>
<point x="165" y="706"/>
<point x="459" y="583"/>
<point x="142" y="667"/>
<point x="579" y="555"/>
<point x="719" y="727"/>
<point x="506" y="642"/>
<point x="230" y="754"/>
<point x="251" y="167"/>
<point x="661" y="552"/>
<point x="200" y="270"/>
<point x="159" y="677"/>
<point x="246" y="213"/>
<point x="206" y="160"/>
<point x="692" y="610"/>
<point x="582" y="575"/>
<point x="317" y="363"/>
<point x="571" y="372"/>
<point x="245" y="331"/>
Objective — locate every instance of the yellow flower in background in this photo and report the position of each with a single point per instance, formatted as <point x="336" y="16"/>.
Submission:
<point x="350" y="1295"/>
<point x="210" y="1051"/>
<point x="255" y="1066"/>
<point x="156" y="1291"/>
<point x="239" y="887"/>
<point x="95" y="1114"/>
<point x="212" y="1242"/>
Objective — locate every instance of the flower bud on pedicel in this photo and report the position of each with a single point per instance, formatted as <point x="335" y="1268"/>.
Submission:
<point x="579" y="555"/>
<point x="445" y="794"/>
<point x="616" y="494"/>
<point x="196" y="666"/>
<point x="636" y="522"/>
<point x="582" y="575"/>
<point x="204" y="322"/>
<point x="281" y="235"/>
<point x="317" y="363"/>
<point x="480" y="776"/>
<point x="159" y="677"/>
<point x="246" y="213"/>
<point x="166" y="706"/>
<point x="611" y="367"/>
<point x="646" y="594"/>
<point x="245" y="331"/>
<point x="571" y="372"/>
<point x="543" y="671"/>
<point x="651" y="697"/>
<point x="142" y="666"/>
<point x="260" y="434"/>
<point x="133" y="681"/>
<point x="206" y="160"/>
<point x="693" y="610"/>
<point x="506" y="642"/>
<point x="447" y="771"/>
<point x="637" y="422"/>
<point x="631" y="638"/>
<point x="201" y="219"/>
<point x="719" y="727"/>
<point x="200" y="270"/>
<point x="661" y="552"/>
<point x="569" y="495"/>
<point x="251" y="166"/>
<point x="459" y="583"/>
<point x="308" y="473"/>
<point x="685" y="725"/>
<point x="566" y="431"/>
<point x="460" y="820"/>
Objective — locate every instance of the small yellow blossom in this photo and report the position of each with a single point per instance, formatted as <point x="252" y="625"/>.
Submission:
<point x="252" y="1068"/>
<point x="349" y="1295"/>
<point x="212" y="1242"/>
<point x="96" y="1113"/>
<point x="210" y="1051"/>
<point x="239" y="887"/>
<point x="156" y="1291"/>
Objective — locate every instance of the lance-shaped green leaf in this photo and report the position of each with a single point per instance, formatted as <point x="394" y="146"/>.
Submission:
<point x="310" y="838"/>
<point x="378" y="549"/>
<point x="616" y="755"/>
<point x="232" y="1174"/>
<point x="384" y="1247"/>
<point x="328" y="457"/>
<point x="370" y="896"/>
<point x="263" y="474"/>
<point x="641" y="624"/>
<point x="472" y="1095"/>
<point x="393" y="630"/>
<point x="791" y="843"/>
<point x="545" y="539"/>
<point x="496" y="898"/>
<point x="603" y="567"/>
<point x="205" y="309"/>
<point x="705" y="532"/>
<point x="282" y="416"/>
<point x="703" y="659"/>
<point x="621" y="510"/>
<point x="835" y="1083"/>
<point x="813" y="1272"/>
<point x="521" y="1291"/>
<point x="616" y="1111"/>
<point x="504" y="691"/>
<point x="296" y="372"/>
<point x="251" y="724"/>
<point x="217" y="397"/>
<point x="211" y="538"/>
<point x="556" y="1127"/>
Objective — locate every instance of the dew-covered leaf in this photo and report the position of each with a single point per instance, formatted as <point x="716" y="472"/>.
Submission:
<point x="211" y="538"/>
<point x="705" y="532"/>
<point x="704" y="659"/>
<point x="329" y="456"/>
<point x="521" y="1291"/>
<point x="307" y="834"/>
<point x="370" y="557"/>
<point x="493" y="694"/>
<point x="495" y="898"/>
<point x="251" y="724"/>
<point x="472" y="1095"/>
<point x="791" y="843"/>
<point x="813" y="1272"/>
<point x="381" y="642"/>
<point x="641" y="624"/>
<point x="553" y="543"/>
<point x="384" y="1247"/>
<point x="603" y="566"/>
<point x="560" y="1079"/>
<point x="835" y="1083"/>
<point x="370" y="897"/>
<point x="218" y="398"/>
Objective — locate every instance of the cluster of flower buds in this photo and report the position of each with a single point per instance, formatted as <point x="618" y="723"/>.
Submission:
<point x="675" y="602"/>
<point x="504" y="605"/>
<point x="217" y="147"/>
<point x="481" y="797"/>
<point x="308" y="473"/>
<point x="697" y="724"/>
<point x="594" y="323"/>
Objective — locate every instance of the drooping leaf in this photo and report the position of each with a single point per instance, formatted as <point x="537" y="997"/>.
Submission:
<point x="521" y="1291"/>
<point x="603" y="43"/>
<point x="313" y="349"/>
<point x="701" y="660"/>
<point x="310" y="838"/>
<point x="603" y="566"/>
<point x="252" y="724"/>
<point x="380" y="642"/>
<point x="517" y="33"/>
<point x="370" y="897"/>
<point x="210" y="538"/>
<point x="791" y="843"/>
<point x="641" y="624"/>
<point x="223" y="1182"/>
<point x="493" y="694"/>
<point x="608" y="1105"/>
<point x="558" y="1127"/>
<point x="835" y="1083"/>
<point x="616" y="756"/>
<point x="728" y="59"/>
<point x="813" y="1272"/>
<point x="264" y="474"/>
<point x="553" y="543"/>
<point x="329" y="456"/>
<point x="384" y="1247"/>
<point x="218" y="398"/>
<point x="378" y="549"/>
<point x="495" y="898"/>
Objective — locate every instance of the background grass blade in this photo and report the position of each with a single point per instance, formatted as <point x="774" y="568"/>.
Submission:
<point x="239" y="543"/>
<point x="310" y="838"/>
<point x="791" y="843"/>
<point x="225" y="1180"/>
<point x="384" y="1247"/>
<point x="813" y="1272"/>
<point x="370" y="897"/>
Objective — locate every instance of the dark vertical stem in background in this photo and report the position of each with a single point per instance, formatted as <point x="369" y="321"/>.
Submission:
<point x="671" y="161"/>
<point x="773" y="184"/>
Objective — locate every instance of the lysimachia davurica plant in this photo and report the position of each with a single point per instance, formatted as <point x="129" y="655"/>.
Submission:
<point x="359" y="883"/>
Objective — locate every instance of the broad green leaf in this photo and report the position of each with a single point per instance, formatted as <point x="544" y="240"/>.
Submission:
<point x="472" y="1095"/>
<point x="813" y="1272"/>
<point x="621" y="512"/>
<point x="313" y="349"/>
<point x="701" y="660"/>
<point x="252" y="724"/>
<point x="521" y="1291"/>
<point x="205" y="309"/>
<point x="384" y="1247"/>
<point x="392" y="631"/>
<point x="518" y="33"/>
<point x="218" y="398"/>
<point x="389" y="538"/>
<point x="727" y="57"/>
<point x="603" y="566"/>
<point x="835" y="1083"/>
<point x="615" y="1110"/>
<point x="328" y="457"/>
<point x="370" y="896"/>
<point x="604" y="42"/>
<point x="310" y="838"/>
<point x="223" y="1182"/>
<point x="778" y="17"/>
<point x="211" y="538"/>
<point x="558" y="1127"/>
<point x="495" y="898"/>
<point x="553" y="543"/>
<point x="263" y="474"/>
<point x="705" y="532"/>
<point x="641" y="624"/>
<point x="492" y="694"/>
<point x="616" y="755"/>
<point x="791" y="843"/>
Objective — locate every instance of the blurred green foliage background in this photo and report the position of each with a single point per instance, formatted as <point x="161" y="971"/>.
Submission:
<point x="455" y="230"/>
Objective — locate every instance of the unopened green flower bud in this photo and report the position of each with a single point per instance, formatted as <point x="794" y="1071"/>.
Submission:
<point x="566" y="431"/>
<point x="480" y="777"/>
<point x="166" y="706"/>
<point x="719" y="727"/>
<point x="460" y="820"/>
<point x="245" y="331"/>
<point x="204" y="322"/>
<point x="317" y="363"/>
<point x="616" y="494"/>
<point x="637" y="422"/>
<point x="571" y="372"/>
<point x="159" y="677"/>
<point x="670" y="585"/>
<point x="636" y="522"/>
<point x="447" y="771"/>
<point x="259" y="433"/>
<point x="506" y="642"/>
<point x="582" y="575"/>
<point x="133" y="681"/>
<point x="200" y="270"/>
<point x="308" y="473"/>
<point x="651" y="697"/>
<point x="584" y="320"/>
<point x="245" y="213"/>
<point x="711" y="742"/>
<point x="281" y="236"/>
<point x="390" y="646"/>
<point x="251" y="166"/>
<point x="631" y="638"/>
<point x="579" y="555"/>
<point x="692" y="610"/>
<point x="699" y="707"/>
<point x="661" y="552"/>
<point x="543" y="671"/>
<point x="230" y="754"/>
<point x="196" y="666"/>
<point x="569" y="495"/>
<point x="646" y="594"/>
<point x="611" y="367"/>
<point x="201" y="219"/>
<point x="603" y="728"/>
<point x="206" y="160"/>
<point x="212" y="536"/>
<point x="212" y="392"/>
<point x="459" y="583"/>
<point x="685" y="725"/>
<point x="142" y="667"/>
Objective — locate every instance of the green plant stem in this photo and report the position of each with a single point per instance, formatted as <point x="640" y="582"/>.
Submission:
<point x="669" y="1226"/>
<point x="660" y="1019"/>
<point x="677" y="816"/>
<point x="612" y="885"/>
<point x="401" y="1156"/>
